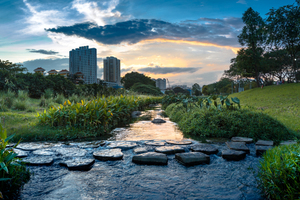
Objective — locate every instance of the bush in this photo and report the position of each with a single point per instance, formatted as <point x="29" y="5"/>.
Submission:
<point x="279" y="173"/>
<point x="22" y="95"/>
<point x="48" y="93"/>
<point x="9" y="98"/>
<point x="13" y="173"/>
<point x="60" y="99"/>
<point x="20" y="105"/>
<point x="146" y="89"/>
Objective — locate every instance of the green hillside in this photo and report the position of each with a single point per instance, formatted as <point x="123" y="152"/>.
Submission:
<point x="282" y="102"/>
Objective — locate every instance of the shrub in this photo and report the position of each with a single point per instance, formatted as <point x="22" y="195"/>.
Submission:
<point x="22" y="95"/>
<point x="9" y="98"/>
<point x="43" y="101"/>
<point x="279" y="172"/>
<point x="48" y="93"/>
<point x="60" y="99"/>
<point x="20" y="105"/>
<point x="146" y="89"/>
<point x="74" y="98"/>
<point x="13" y="173"/>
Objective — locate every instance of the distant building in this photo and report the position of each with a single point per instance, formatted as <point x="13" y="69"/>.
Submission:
<point x="39" y="70"/>
<point x="161" y="83"/>
<point x="64" y="73"/>
<point x="84" y="60"/>
<point x="112" y="70"/>
<point x="52" y="72"/>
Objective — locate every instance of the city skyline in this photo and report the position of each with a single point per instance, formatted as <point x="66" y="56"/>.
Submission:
<point x="186" y="42"/>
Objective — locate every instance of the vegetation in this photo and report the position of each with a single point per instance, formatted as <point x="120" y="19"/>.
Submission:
<point x="279" y="172"/>
<point x="146" y="89"/>
<point x="13" y="173"/>
<point x="134" y="77"/>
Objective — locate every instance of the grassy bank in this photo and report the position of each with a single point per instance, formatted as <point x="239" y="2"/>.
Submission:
<point x="281" y="102"/>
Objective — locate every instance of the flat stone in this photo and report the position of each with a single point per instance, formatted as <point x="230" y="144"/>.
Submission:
<point x="205" y="148"/>
<point x="192" y="158"/>
<point x="261" y="149"/>
<point x="123" y="145"/>
<point x="71" y="152"/>
<point x="265" y="143"/>
<point x="135" y="114"/>
<point x="155" y="143"/>
<point x="151" y="158"/>
<point x="238" y="146"/>
<point x="177" y="142"/>
<point x="32" y="146"/>
<point x="140" y="150"/>
<point x="20" y="153"/>
<point x="108" y="154"/>
<point x="288" y="142"/>
<point x="242" y="139"/>
<point x="169" y="149"/>
<point x="38" y="160"/>
<point x="158" y="121"/>
<point x="233" y="155"/>
<point x="78" y="163"/>
<point x="43" y="152"/>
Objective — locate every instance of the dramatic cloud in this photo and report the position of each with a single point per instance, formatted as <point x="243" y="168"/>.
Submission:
<point x="220" y="32"/>
<point x="42" y="51"/>
<point x="167" y="70"/>
<point x="47" y="64"/>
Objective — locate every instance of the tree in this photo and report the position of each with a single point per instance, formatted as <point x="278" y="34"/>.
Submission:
<point x="284" y="30"/>
<point x="180" y="90"/>
<point x="146" y="89"/>
<point x="134" y="77"/>
<point x="205" y="90"/>
<point x="196" y="87"/>
<point x="12" y="68"/>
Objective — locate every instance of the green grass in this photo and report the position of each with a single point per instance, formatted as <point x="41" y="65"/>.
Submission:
<point x="281" y="102"/>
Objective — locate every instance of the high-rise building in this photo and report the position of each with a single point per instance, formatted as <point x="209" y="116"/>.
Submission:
<point x="84" y="60"/>
<point x="161" y="83"/>
<point x="112" y="70"/>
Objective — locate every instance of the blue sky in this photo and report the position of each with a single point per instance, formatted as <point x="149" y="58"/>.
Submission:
<point x="185" y="41"/>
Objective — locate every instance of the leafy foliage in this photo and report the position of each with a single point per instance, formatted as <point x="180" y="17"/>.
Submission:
<point x="134" y="77"/>
<point x="146" y="89"/>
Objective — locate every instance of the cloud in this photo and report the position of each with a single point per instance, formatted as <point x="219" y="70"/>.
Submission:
<point x="43" y="51"/>
<point x="168" y="70"/>
<point x="47" y="64"/>
<point x="218" y="31"/>
<point x="241" y="1"/>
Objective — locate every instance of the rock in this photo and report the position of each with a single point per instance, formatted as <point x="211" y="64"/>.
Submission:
<point x="152" y="105"/>
<point x="38" y="160"/>
<point x="205" y="148"/>
<point x="135" y="114"/>
<point x="43" y="152"/>
<point x="261" y="149"/>
<point x="83" y="164"/>
<point x="192" y="158"/>
<point x="32" y="146"/>
<point x="169" y="149"/>
<point x="151" y="158"/>
<point x="158" y="121"/>
<point x="288" y="142"/>
<point x="242" y="139"/>
<point x="265" y="143"/>
<point x="155" y="143"/>
<point x="123" y="145"/>
<point x="140" y="150"/>
<point x="176" y="142"/>
<point x="71" y="152"/>
<point x="238" y="146"/>
<point x="108" y="154"/>
<point x="233" y="155"/>
<point x="20" y="153"/>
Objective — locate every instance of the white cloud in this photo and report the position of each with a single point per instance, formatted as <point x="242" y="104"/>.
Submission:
<point x="241" y="1"/>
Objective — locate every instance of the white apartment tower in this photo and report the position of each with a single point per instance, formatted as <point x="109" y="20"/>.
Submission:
<point x="84" y="60"/>
<point x="161" y="83"/>
<point x="112" y="70"/>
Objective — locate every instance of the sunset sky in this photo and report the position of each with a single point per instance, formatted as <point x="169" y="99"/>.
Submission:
<point x="186" y="41"/>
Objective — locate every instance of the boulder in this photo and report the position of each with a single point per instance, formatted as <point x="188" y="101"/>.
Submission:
<point x="108" y="154"/>
<point x="288" y="142"/>
<point x="32" y="146"/>
<point x="82" y="164"/>
<point x="265" y="143"/>
<point x="158" y="121"/>
<point x="233" y="155"/>
<point x="155" y="143"/>
<point x="192" y="158"/>
<point x="38" y="160"/>
<point x="71" y="152"/>
<point x="123" y="145"/>
<point x="140" y="150"/>
<point x="238" y="146"/>
<point x="242" y="139"/>
<point x="205" y="148"/>
<point x="20" y="153"/>
<point x="169" y="149"/>
<point x="151" y="158"/>
<point x="261" y="149"/>
<point x="135" y="114"/>
<point x="43" y="152"/>
<point x="177" y="142"/>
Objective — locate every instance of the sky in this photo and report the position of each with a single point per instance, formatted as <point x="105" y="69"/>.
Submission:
<point x="185" y="41"/>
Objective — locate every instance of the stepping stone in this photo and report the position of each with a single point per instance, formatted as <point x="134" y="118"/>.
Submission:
<point x="238" y="146"/>
<point x="205" y="148"/>
<point x="43" y="152"/>
<point x="288" y="142"/>
<point x="10" y="145"/>
<point x="38" y="160"/>
<point x="32" y="146"/>
<point x="123" y="145"/>
<point x="20" y="153"/>
<point x="177" y="142"/>
<point x="242" y="139"/>
<point x="155" y="143"/>
<point x="83" y="164"/>
<point x="265" y="143"/>
<point x="151" y="158"/>
<point x="140" y="150"/>
<point x="169" y="150"/>
<point x="108" y="154"/>
<point x="71" y="152"/>
<point x="135" y="114"/>
<point x="192" y="158"/>
<point x="233" y="155"/>
<point x="261" y="149"/>
<point x="158" y="121"/>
